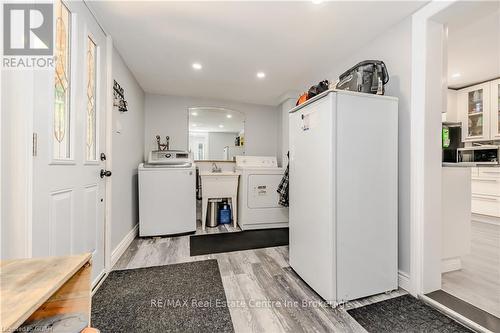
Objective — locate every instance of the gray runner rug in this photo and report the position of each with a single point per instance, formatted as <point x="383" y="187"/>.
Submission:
<point x="187" y="297"/>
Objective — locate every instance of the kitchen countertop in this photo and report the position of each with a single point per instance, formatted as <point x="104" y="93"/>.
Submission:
<point x="458" y="165"/>
<point x="468" y="165"/>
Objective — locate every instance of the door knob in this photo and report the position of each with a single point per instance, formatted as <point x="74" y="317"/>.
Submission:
<point x="105" y="173"/>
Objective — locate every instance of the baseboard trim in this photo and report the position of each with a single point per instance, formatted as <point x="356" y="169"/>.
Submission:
<point x="450" y="265"/>
<point x="404" y="281"/>
<point x="123" y="245"/>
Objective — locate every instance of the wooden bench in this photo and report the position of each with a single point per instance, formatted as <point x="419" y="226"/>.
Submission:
<point x="36" y="291"/>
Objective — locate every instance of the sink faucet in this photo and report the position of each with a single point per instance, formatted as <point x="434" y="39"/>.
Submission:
<point x="215" y="168"/>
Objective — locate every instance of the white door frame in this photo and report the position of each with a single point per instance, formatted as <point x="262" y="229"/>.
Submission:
<point x="109" y="155"/>
<point x="425" y="226"/>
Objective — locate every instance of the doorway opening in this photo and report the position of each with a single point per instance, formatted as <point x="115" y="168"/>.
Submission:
<point x="456" y="251"/>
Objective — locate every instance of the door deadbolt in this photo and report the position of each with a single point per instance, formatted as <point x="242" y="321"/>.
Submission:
<point x="105" y="173"/>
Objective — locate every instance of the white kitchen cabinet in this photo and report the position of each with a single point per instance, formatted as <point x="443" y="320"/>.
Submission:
<point x="485" y="188"/>
<point x="474" y="110"/>
<point x="495" y="109"/>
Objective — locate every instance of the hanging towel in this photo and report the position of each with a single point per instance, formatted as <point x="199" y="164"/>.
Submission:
<point x="283" y="189"/>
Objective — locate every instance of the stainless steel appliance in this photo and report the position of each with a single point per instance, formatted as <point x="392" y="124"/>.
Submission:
<point x="479" y="155"/>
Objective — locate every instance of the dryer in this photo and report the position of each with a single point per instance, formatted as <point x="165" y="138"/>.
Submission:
<point x="258" y="206"/>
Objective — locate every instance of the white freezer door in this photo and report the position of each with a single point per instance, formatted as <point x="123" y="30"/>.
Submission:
<point x="311" y="196"/>
<point x="167" y="201"/>
<point x="367" y="195"/>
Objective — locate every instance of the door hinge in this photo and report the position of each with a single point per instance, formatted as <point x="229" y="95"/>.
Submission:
<point x="35" y="144"/>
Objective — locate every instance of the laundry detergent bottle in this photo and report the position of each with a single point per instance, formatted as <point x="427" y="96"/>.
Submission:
<point x="225" y="214"/>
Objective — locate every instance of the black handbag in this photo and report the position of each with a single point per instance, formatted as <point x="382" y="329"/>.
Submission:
<point x="317" y="89"/>
<point x="369" y="76"/>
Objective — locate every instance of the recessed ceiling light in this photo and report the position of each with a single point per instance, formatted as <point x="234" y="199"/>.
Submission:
<point x="197" y="66"/>
<point x="221" y="126"/>
<point x="194" y="113"/>
<point x="456" y="75"/>
<point x="229" y="116"/>
<point x="261" y="75"/>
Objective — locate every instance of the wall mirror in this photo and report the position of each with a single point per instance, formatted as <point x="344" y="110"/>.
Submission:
<point x="216" y="134"/>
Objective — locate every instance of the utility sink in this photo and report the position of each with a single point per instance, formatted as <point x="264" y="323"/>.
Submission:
<point x="218" y="173"/>
<point x="218" y="185"/>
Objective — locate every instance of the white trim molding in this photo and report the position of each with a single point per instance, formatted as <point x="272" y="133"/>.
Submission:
<point x="109" y="154"/>
<point x="404" y="281"/>
<point x="123" y="245"/>
<point x="451" y="264"/>
<point x="419" y="180"/>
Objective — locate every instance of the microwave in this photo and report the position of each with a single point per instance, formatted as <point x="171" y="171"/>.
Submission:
<point x="482" y="155"/>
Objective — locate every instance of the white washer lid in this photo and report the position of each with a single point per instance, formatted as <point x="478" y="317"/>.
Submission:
<point x="256" y="162"/>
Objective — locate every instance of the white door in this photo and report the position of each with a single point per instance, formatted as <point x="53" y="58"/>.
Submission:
<point x="312" y="201"/>
<point x="69" y="121"/>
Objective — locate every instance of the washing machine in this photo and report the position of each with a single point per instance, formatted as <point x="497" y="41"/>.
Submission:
<point x="167" y="194"/>
<point x="258" y="206"/>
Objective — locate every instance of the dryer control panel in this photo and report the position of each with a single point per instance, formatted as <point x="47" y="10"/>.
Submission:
<point x="254" y="162"/>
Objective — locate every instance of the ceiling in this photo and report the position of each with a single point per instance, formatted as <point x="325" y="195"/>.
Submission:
<point x="473" y="43"/>
<point x="206" y="119"/>
<point x="292" y="42"/>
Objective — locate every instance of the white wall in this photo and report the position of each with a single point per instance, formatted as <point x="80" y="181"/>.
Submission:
<point x="394" y="48"/>
<point x="127" y="153"/>
<point x="451" y="106"/>
<point x="285" y="106"/>
<point x="168" y="115"/>
<point x="474" y="47"/>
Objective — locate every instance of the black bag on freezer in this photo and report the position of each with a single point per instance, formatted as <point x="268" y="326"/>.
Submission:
<point x="317" y="89"/>
<point x="368" y="76"/>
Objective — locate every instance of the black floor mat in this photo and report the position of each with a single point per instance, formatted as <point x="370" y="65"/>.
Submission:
<point x="404" y="314"/>
<point x="237" y="241"/>
<point x="187" y="297"/>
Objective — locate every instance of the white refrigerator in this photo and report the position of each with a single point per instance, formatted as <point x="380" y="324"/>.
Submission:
<point x="344" y="194"/>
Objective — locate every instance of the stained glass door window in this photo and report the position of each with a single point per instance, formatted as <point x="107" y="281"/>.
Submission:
<point x="91" y="153"/>
<point x="62" y="110"/>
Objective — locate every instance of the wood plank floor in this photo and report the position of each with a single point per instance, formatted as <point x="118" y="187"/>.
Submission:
<point x="215" y="230"/>
<point x="478" y="282"/>
<point x="264" y="293"/>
